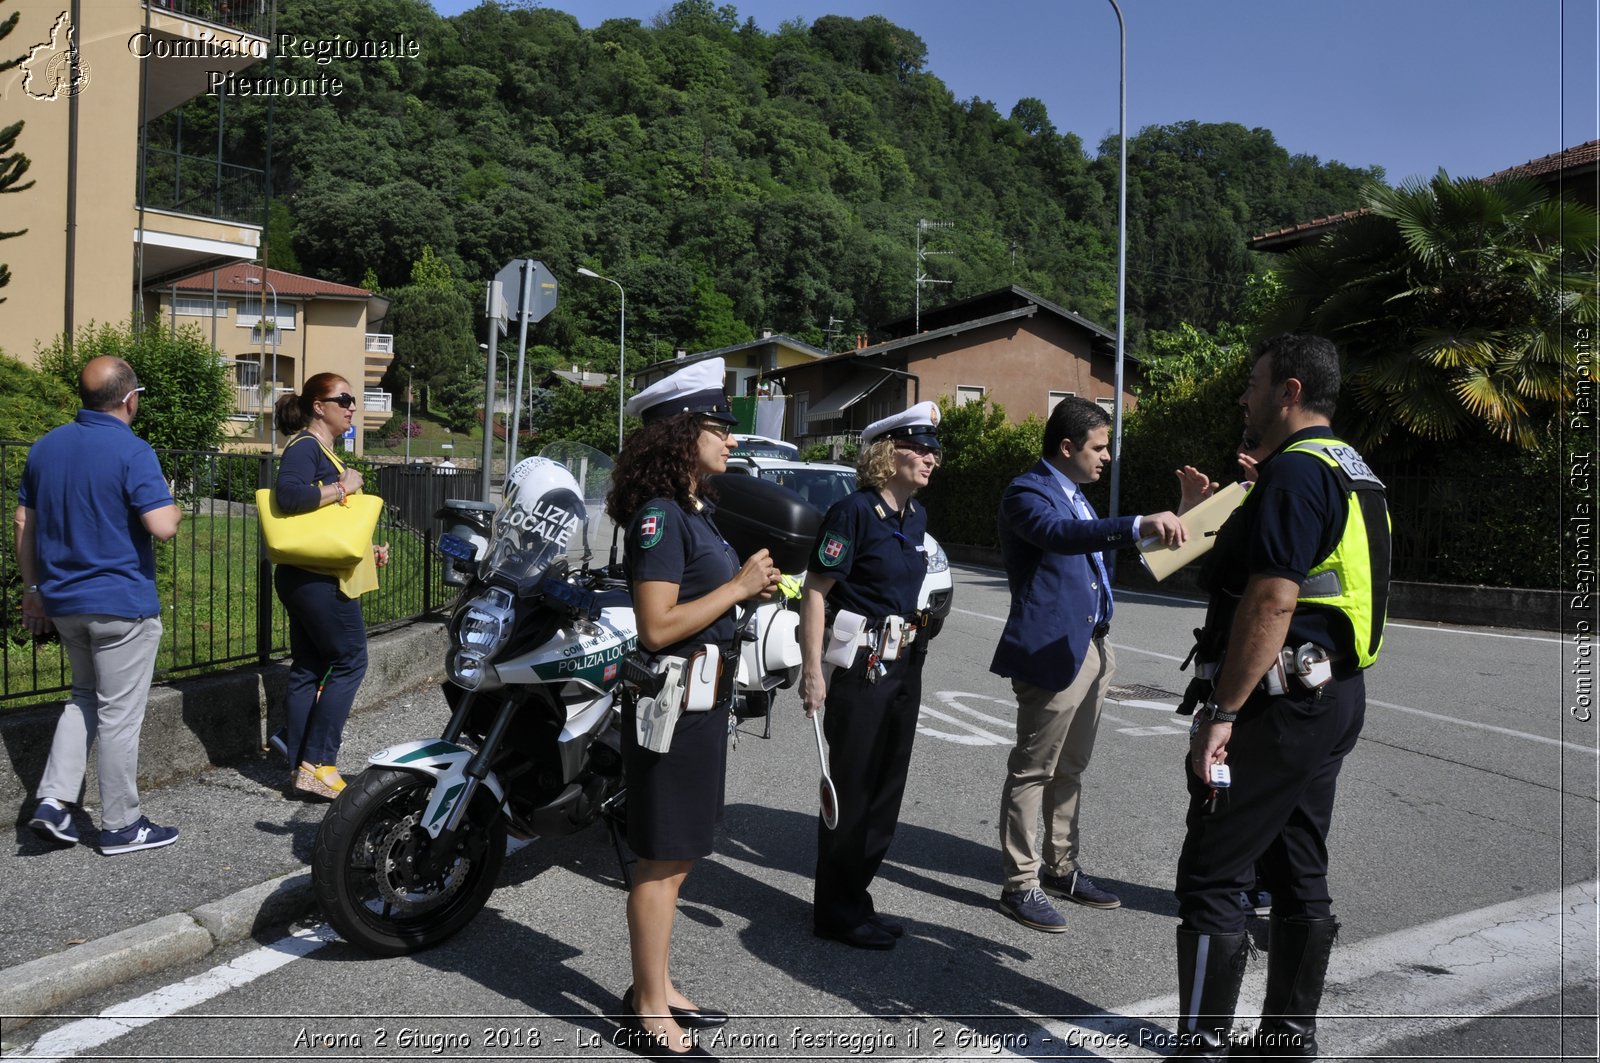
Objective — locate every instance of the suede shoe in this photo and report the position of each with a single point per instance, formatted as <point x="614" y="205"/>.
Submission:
<point x="142" y="834"/>
<point x="865" y="936"/>
<point x="54" y="824"/>
<point x="1033" y="909"/>
<point x="1079" y="888"/>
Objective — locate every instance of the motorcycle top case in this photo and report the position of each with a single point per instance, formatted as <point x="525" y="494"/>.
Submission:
<point x="756" y="514"/>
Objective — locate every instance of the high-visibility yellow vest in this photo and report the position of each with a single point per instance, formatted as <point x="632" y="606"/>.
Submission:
<point x="1354" y="578"/>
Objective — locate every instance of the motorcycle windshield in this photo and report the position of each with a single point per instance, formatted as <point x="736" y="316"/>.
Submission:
<point x="531" y="531"/>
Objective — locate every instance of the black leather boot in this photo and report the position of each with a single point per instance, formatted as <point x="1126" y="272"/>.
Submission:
<point x="1297" y="966"/>
<point x="1210" y="969"/>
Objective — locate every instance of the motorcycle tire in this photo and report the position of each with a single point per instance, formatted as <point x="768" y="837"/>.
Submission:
<point x="361" y="846"/>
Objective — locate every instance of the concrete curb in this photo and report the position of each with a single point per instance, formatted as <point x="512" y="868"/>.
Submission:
<point x="38" y="987"/>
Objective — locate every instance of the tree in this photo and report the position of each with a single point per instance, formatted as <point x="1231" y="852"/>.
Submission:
<point x="13" y="164"/>
<point x="1455" y="303"/>
<point x="431" y="319"/>
<point x="188" y="391"/>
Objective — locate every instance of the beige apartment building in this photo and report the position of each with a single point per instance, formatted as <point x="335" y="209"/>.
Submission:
<point x="279" y="329"/>
<point x="110" y="216"/>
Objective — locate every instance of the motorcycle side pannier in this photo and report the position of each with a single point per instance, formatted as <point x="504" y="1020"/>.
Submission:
<point x="754" y="514"/>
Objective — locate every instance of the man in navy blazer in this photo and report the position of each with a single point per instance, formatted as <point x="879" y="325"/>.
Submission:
<point x="1055" y="653"/>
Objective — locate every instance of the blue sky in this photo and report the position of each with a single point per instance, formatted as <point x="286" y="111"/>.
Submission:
<point x="1410" y="85"/>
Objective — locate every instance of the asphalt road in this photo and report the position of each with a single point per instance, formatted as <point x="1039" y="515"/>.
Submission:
<point x="1466" y="810"/>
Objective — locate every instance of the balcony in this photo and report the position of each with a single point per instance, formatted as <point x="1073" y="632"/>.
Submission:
<point x="247" y="16"/>
<point x="380" y="343"/>
<point x="203" y="186"/>
<point x="255" y="399"/>
<point x="377" y="402"/>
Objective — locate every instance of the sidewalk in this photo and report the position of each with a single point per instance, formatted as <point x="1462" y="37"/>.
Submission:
<point x="73" y="922"/>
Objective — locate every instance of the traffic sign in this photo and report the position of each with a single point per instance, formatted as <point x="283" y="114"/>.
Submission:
<point x="541" y="290"/>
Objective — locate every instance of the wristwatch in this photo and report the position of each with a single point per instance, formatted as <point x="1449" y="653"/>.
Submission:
<point x="1212" y="711"/>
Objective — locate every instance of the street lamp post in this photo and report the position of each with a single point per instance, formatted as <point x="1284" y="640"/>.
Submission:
<point x="411" y="372"/>
<point x="1122" y="259"/>
<point x="622" y="336"/>
<point x="272" y="441"/>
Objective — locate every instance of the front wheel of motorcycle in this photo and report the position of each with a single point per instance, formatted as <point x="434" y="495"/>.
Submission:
<point x="372" y="838"/>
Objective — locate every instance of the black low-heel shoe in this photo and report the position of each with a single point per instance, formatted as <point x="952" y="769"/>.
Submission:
<point x="688" y="1018"/>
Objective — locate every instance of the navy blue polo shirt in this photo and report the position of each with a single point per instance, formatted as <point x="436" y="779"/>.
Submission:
<point x="875" y="553"/>
<point x="1288" y="524"/>
<point x="89" y="483"/>
<point x="670" y="544"/>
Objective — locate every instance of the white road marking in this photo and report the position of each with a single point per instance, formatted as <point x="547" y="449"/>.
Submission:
<point x="1456" y="720"/>
<point x="1443" y="630"/>
<point x="83" y="1036"/>
<point x="1421" y="980"/>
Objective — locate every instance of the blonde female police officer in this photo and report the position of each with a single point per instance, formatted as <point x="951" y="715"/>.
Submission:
<point x="868" y="563"/>
<point x="686" y="581"/>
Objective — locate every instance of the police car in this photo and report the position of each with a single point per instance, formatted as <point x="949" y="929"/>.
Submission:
<point x="822" y="485"/>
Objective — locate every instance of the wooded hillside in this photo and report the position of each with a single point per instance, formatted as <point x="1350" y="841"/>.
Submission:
<point x="734" y="179"/>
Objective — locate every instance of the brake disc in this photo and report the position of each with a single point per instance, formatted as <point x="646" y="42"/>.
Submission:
<point x="390" y="859"/>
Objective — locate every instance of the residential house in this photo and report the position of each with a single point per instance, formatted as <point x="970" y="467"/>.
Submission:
<point x="110" y="214"/>
<point x="279" y="329"/>
<point x="1573" y="173"/>
<point x="746" y="364"/>
<point x="1009" y="346"/>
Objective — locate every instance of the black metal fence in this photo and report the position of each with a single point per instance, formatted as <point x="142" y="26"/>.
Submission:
<point x="218" y="605"/>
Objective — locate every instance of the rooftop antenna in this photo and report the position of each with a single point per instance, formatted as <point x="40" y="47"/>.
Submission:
<point x="923" y="224"/>
<point x="832" y="331"/>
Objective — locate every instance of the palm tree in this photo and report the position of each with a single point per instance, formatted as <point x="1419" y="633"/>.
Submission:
<point x="1457" y="305"/>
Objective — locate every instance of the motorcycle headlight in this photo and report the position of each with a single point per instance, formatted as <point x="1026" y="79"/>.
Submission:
<point x="468" y="670"/>
<point x="484" y="623"/>
<point x="938" y="561"/>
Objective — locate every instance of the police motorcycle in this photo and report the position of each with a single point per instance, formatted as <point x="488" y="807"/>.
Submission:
<point x="411" y="850"/>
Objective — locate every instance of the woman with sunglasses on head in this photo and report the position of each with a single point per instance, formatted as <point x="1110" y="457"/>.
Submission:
<point x="686" y="581"/>
<point x="327" y="636"/>
<point x="860" y="600"/>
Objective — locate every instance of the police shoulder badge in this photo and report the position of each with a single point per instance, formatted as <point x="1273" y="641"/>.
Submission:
<point x="831" y="552"/>
<point x="652" y="522"/>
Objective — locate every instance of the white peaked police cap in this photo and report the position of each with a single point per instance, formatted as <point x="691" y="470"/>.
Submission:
<point x="919" y="424"/>
<point x="695" y="388"/>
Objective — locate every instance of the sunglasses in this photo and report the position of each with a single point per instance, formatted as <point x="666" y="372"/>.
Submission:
<point x="131" y="394"/>
<point x="717" y="428"/>
<point x="919" y="449"/>
<point x="345" y="401"/>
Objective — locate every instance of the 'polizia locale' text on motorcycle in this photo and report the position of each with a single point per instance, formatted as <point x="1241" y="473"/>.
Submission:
<point x="412" y="849"/>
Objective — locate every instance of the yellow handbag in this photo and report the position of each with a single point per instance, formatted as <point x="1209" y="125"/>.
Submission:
<point x="332" y="539"/>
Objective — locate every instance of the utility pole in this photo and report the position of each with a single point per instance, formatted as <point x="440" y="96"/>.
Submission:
<point x="922" y="278"/>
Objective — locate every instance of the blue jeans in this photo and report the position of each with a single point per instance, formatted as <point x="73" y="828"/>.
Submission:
<point x="328" y="644"/>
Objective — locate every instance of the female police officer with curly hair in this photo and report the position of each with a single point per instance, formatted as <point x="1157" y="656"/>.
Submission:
<point x="866" y="571"/>
<point x="686" y="581"/>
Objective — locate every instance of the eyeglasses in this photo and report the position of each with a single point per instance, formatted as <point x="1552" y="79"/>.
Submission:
<point x="131" y="394"/>
<point x="717" y="428"/>
<point x="919" y="449"/>
<point x="345" y="401"/>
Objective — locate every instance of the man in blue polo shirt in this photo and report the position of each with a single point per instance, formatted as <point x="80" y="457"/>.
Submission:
<point x="91" y="498"/>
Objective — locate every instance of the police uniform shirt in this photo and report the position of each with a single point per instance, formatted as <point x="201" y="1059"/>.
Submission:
<point x="874" y="553"/>
<point x="1289" y="522"/>
<point x="670" y="544"/>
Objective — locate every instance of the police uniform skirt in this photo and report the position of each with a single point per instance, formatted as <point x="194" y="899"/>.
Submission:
<point x="675" y="798"/>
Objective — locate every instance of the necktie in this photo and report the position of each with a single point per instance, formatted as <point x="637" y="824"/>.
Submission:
<point x="1103" y="609"/>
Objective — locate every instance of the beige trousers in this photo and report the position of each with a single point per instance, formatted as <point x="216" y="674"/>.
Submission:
<point x="1055" y="737"/>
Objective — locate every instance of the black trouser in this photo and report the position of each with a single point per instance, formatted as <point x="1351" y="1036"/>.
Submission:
<point x="870" y="728"/>
<point x="1285" y="755"/>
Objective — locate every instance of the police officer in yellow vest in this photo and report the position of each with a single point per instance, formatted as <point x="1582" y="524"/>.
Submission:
<point x="1299" y="585"/>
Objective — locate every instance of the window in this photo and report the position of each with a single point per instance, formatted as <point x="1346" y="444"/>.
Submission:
<point x="1055" y="400"/>
<point x="250" y="313"/>
<point x="802" y="403"/>
<point x="966" y="393"/>
<point x="1107" y="403"/>
<point x="249" y="374"/>
<point x="198" y="306"/>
